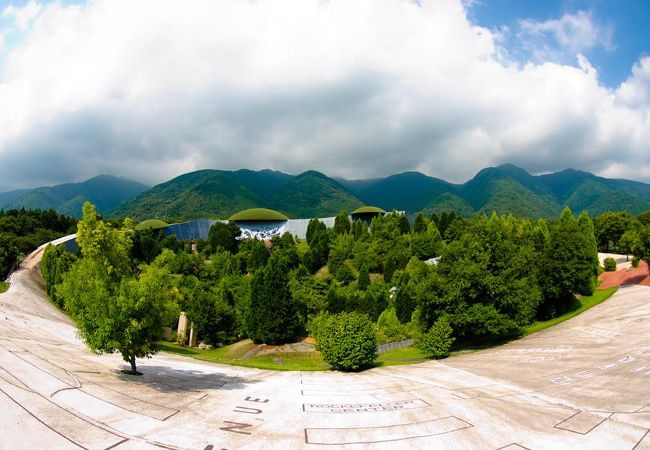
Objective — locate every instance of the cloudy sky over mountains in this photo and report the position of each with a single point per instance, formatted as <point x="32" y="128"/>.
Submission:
<point x="155" y="88"/>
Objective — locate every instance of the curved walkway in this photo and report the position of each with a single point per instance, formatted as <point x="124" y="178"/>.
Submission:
<point x="581" y="384"/>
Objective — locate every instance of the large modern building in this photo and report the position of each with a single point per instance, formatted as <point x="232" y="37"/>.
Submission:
<point x="263" y="223"/>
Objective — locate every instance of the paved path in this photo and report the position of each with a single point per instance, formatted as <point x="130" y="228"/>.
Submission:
<point x="626" y="276"/>
<point x="582" y="384"/>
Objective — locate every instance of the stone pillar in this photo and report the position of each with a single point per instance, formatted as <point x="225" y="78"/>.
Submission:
<point x="181" y="334"/>
<point x="193" y="336"/>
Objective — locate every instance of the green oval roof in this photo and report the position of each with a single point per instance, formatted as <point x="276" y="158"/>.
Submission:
<point x="258" y="214"/>
<point x="368" y="210"/>
<point x="150" y="224"/>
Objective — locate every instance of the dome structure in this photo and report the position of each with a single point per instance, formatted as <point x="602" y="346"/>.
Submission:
<point x="151" y="224"/>
<point x="258" y="215"/>
<point x="368" y="210"/>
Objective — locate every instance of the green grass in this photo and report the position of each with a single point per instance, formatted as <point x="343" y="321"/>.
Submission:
<point x="232" y="354"/>
<point x="3" y="286"/>
<point x="581" y="304"/>
<point x="400" y="356"/>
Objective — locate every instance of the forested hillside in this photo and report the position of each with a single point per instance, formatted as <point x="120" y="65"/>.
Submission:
<point x="106" y="192"/>
<point x="505" y="189"/>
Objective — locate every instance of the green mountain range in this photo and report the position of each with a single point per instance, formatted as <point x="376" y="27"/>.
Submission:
<point x="220" y="194"/>
<point x="504" y="189"/>
<point x="104" y="191"/>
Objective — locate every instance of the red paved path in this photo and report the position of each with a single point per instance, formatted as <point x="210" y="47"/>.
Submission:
<point x="621" y="277"/>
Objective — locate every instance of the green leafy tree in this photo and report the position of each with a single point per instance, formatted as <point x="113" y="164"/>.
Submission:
<point x="56" y="261"/>
<point x="609" y="265"/>
<point x="644" y="218"/>
<point x="610" y="226"/>
<point x="629" y="240"/>
<point x="318" y="253"/>
<point x="642" y="249"/>
<point x="364" y="278"/>
<point x="273" y="314"/>
<point x="568" y="265"/>
<point x="359" y="229"/>
<point x="427" y="244"/>
<point x="258" y="256"/>
<point x="8" y="255"/>
<point x="390" y="266"/>
<point x="404" y="225"/>
<point x="101" y="242"/>
<point x="438" y="340"/>
<point x="314" y="227"/>
<point x="420" y="223"/>
<point x="341" y="223"/>
<point x="347" y="341"/>
<point x="224" y="235"/>
<point x="115" y="310"/>
<point x="485" y="283"/>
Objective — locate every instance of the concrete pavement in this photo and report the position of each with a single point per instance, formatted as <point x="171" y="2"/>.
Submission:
<point x="581" y="384"/>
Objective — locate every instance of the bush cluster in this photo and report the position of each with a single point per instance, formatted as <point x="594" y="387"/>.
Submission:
<point x="347" y="341"/>
<point x="610" y="265"/>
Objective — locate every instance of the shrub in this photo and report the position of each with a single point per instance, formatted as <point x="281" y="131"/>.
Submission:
<point x="347" y="341"/>
<point x="437" y="341"/>
<point x="635" y="262"/>
<point x="390" y="329"/>
<point x="610" y="265"/>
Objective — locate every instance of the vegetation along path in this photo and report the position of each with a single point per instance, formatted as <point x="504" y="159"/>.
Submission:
<point x="580" y="384"/>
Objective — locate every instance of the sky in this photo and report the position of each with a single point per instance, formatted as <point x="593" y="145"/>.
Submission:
<point x="152" y="89"/>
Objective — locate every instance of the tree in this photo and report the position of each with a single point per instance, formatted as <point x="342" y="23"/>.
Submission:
<point x="428" y="243"/>
<point x="390" y="266"/>
<point x="644" y="218"/>
<point x="317" y="255"/>
<point x="101" y="242"/>
<point x="113" y="309"/>
<point x="347" y="341"/>
<point x="609" y="265"/>
<point x="588" y="260"/>
<point x="485" y="283"/>
<point x="56" y="261"/>
<point x="314" y="227"/>
<point x="610" y="226"/>
<point x="224" y="235"/>
<point x="8" y="255"/>
<point x="568" y="265"/>
<point x="438" y="340"/>
<point x="258" y="256"/>
<point x="273" y="314"/>
<point x="404" y="225"/>
<point x="364" y="278"/>
<point x="359" y="229"/>
<point x="642" y="249"/>
<point x="341" y="223"/>
<point x="420" y="224"/>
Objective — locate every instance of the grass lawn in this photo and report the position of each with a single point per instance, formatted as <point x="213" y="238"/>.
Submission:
<point x="3" y="286"/>
<point x="581" y="304"/>
<point x="400" y="356"/>
<point x="233" y="354"/>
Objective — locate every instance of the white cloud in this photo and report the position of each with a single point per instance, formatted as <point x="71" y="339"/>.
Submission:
<point x="23" y="15"/>
<point x="2" y="43"/>
<point x="154" y="88"/>
<point x="573" y="32"/>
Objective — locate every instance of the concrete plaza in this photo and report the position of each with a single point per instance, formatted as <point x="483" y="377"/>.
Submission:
<point x="581" y="384"/>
